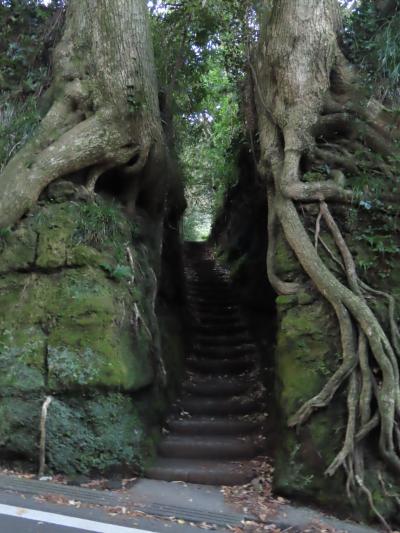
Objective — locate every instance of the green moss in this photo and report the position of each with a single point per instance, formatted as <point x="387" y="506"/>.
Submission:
<point x="305" y="298"/>
<point x="52" y="246"/>
<point x="95" y="433"/>
<point x="82" y="255"/>
<point x="384" y="503"/>
<point x="22" y="360"/>
<point x="306" y="355"/>
<point x="97" y="355"/>
<point x="311" y="177"/>
<point x="286" y="264"/>
<point x="19" y="426"/>
<point x="17" y="250"/>
<point x="85" y="333"/>
<point x="288" y="300"/>
<point x="302" y="459"/>
<point x="26" y="300"/>
<point x="303" y="353"/>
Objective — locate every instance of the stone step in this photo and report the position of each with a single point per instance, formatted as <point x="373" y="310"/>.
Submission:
<point x="228" y="341"/>
<point x="221" y="366"/>
<point x="233" y="405"/>
<point x="207" y="447"/>
<point x="213" y="318"/>
<point x="209" y="285"/>
<point x="224" y="352"/>
<point x="215" y="301"/>
<point x="201" y="471"/>
<point x="214" y="307"/>
<point x="217" y="425"/>
<point x="212" y="386"/>
<point x="229" y="328"/>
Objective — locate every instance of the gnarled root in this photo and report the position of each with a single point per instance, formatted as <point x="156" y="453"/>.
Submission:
<point x="362" y="338"/>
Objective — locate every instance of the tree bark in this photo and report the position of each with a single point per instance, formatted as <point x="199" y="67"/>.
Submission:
<point x="105" y="110"/>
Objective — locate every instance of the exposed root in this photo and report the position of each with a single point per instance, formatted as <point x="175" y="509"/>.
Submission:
<point x="317" y="229"/>
<point x="280" y="286"/>
<point x="307" y="114"/>
<point x="42" y="444"/>
<point x="371" y="503"/>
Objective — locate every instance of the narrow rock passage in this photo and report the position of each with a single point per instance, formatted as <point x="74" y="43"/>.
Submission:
<point x="215" y="427"/>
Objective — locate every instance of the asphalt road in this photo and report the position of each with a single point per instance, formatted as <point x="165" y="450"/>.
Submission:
<point x="17" y="519"/>
<point x="22" y="514"/>
<point x="20" y="525"/>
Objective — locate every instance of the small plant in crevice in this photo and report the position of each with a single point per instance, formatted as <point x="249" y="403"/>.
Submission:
<point x="118" y="272"/>
<point x="98" y="222"/>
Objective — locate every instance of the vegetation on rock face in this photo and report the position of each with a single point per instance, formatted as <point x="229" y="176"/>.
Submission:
<point x="80" y="258"/>
<point x="72" y="324"/>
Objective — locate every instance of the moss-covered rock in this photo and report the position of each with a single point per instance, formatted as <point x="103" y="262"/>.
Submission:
<point x="19" y="426"/>
<point x="18" y="249"/>
<point x="22" y="360"/>
<point x="77" y="321"/>
<point x="94" y="434"/>
<point x="83" y="434"/>
<point x="307" y="352"/>
<point x="286" y="264"/>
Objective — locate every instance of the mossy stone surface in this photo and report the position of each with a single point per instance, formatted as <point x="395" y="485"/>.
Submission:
<point x="19" y="426"/>
<point x="286" y="264"/>
<point x="94" y="433"/>
<point x="77" y="321"/>
<point x="18" y="250"/>
<point x="22" y="360"/>
<point x="305" y="352"/>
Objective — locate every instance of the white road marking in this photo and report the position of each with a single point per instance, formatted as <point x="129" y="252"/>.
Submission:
<point x="66" y="521"/>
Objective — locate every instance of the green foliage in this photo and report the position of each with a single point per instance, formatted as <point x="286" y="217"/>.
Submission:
<point x="201" y="57"/>
<point x="18" y="120"/>
<point x="206" y="139"/>
<point x="28" y="31"/>
<point x="119" y="272"/>
<point x="372" y="42"/>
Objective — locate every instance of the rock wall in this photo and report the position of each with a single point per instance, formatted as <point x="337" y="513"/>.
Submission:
<point x="239" y="235"/>
<point x="78" y="298"/>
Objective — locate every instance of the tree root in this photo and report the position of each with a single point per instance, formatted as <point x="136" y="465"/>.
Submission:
<point x="351" y="309"/>
<point x="42" y="444"/>
<point x="280" y="286"/>
<point x="292" y="127"/>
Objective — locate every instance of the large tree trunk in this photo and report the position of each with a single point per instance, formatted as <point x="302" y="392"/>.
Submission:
<point x="306" y="97"/>
<point x="105" y="107"/>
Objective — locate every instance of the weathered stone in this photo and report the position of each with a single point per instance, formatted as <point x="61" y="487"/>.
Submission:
<point x="18" y="250"/>
<point x="89" y="434"/>
<point x="72" y="324"/>
<point x="22" y="360"/>
<point x="19" y="426"/>
<point x="52" y="247"/>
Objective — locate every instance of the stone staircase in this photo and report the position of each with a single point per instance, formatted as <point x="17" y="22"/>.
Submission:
<point x="215" y="428"/>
